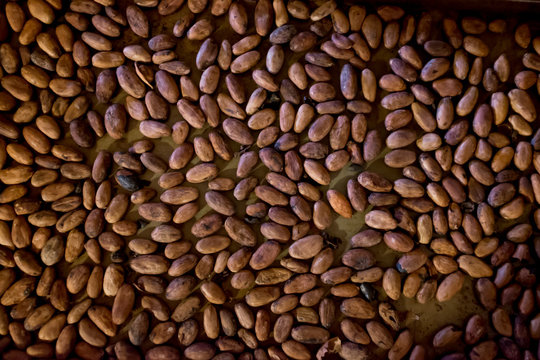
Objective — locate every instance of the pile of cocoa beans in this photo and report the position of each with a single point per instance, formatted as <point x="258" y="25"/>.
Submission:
<point x="173" y="174"/>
